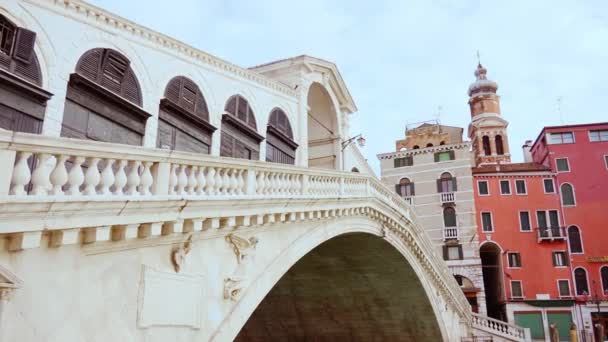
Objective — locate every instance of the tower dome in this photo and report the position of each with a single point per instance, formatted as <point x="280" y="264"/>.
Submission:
<point x="482" y="84"/>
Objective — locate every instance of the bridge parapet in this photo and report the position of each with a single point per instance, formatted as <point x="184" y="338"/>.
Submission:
<point x="85" y="192"/>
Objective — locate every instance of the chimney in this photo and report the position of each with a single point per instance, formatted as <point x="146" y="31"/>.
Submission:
<point x="526" y="148"/>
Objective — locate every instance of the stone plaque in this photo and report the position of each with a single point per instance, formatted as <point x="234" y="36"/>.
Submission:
<point x="169" y="299"/>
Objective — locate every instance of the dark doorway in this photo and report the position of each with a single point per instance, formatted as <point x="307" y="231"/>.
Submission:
<point x="491" y="264"/>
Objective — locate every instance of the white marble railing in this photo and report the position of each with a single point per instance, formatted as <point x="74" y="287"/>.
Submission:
<point x="502" y="329"/>
<point x="450" y="233"/>
<point x="447" y="197"/>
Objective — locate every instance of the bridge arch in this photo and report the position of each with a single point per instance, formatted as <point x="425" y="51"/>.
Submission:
<point x="442" y="325"/>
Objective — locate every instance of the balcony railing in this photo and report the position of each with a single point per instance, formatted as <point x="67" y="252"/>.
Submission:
<point x="409" y="199"/>
<point x="450" y="233"/>
<point x="550" y="233"/>
<point x="509" y="332"/>
<point x="446" y="197"/>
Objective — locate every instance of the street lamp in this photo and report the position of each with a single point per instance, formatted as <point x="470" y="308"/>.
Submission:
<point x="360" y="141"/>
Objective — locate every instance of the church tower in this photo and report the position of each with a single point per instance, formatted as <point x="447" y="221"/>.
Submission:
<point x="487" y="130"/>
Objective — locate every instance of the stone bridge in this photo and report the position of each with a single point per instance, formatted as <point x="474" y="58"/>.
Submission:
<point x="108" y="242"/>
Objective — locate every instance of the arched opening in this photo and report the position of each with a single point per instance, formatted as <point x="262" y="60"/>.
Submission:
<point x="567" y="193"/>
<point x="499" y="147"/>
<point x="405" y="187"/>
<point x="416" y="147"/>
<point x="240" y="138"/>
<point x="103" y="100"/>
<point x="449" y="217"/>
<point x="323" y="144"/>
<point x="574" y="240"/>
<point x="491" y="266"/>
<point x="604" y="278"/>
<point x="354" y="287"/>
<point x="486" y="145"/>
<point x="354" y="169"/>
<point x="442" y="142"/>
<point x="184" y="118"/>
<point x="429" y="145"/>
<point x="446" y="183"/>
<point x="580" y="281"/>
<point x="280" y="146"/>
<point x="469" y="290"/>
<point x="22" y="100"/>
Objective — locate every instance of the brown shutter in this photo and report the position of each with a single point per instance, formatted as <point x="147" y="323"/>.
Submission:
<point x="395" y="162"/>
<point x="445" y="252"/>
<point x="172" y="90"/>
<point x="436" y="156"/>
<point x="413" y="189"/>
<point x="130" y="88"/>
<point x="24" y="45"/>
<point x="460" y="252"/>
<point x="451" y="154"/>
<point x="439" y="185"/>
<point x="90" y="64"/>
<point x="454" y="184"/>
<point x="398" y="189"/>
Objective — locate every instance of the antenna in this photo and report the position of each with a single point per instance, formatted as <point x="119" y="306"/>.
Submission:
<point x="559" y="109"/>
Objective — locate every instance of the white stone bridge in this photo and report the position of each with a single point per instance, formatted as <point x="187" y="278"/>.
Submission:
<point x="107" y="242"/>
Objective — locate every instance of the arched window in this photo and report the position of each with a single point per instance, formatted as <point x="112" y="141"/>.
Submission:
<point x="580" y="280"/>
<point x="574" y="240"/>
<point x="567" y="193"/>
<point x="23" y="102"/>
<point x="486" y="145"/>
<point x="446" y="183"/>
<point x="354" y="169"/>
<point x="103" y="100"/>
<point x="429" y="145"/>
<point x="280" y="146"/>
<point x="416" y="147"/>
<point x="442" y="142"/>
<point x="449" y="217"/>
<point x="184" y="118"/>
<point x="499" y="147"/>
<point x="240" y="138"/>
<point x="604" y="277"/>
<point x="405" y="188"/>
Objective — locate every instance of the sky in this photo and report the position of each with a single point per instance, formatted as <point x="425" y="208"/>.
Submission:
<point x="410" y="61"/>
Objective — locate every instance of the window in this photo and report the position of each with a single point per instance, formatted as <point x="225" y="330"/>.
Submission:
<point x="405" y="161"/>
<point x="486" y="145"/>
<point x="429" y="145"/>
<point x="452" y="252"/>
<point x="524" y="221"/>
<point x="416" y="147"/>
<point x="574" y="240"/>
<point x="280" y="146"/>
<point x="483" y="188"/>
<point x="499" y="147"/>
<point x="559" y="259"/>
<point x="552" y="215"/>
<point x="561" y="138"/>
<point x="567" y="195"/>
<point x="7" y="34"/>
<point x="486" y="222"/>
<point x="444" y="156"/>
<point x="520" y="187"/>
<point x="239" y="136"/>
<point x="505" y="187"/>
<point x="604" y="277"/>
<point x="580" y="281"/>
<point x="516" y="289"/>
<point x="449" y="217"/>
<point x="606" y="160"/>
<point x="446" y="183"/>
<point x="562" y="165"/>
<point x="514" y="259"/>
<point x="405" y="188"/>
<point x="598" y="135"/>
<point x="549" y="187"/>
<point x="563" y="287"/>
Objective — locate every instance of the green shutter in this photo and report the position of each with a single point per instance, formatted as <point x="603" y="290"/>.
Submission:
<point x="563" y="321"/>
<point x="451" y="155"/>
<point x="534" y="321"/>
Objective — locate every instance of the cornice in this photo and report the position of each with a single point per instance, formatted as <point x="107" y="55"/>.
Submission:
<point x="88" y="12"/>
<point x="425" y="150"/>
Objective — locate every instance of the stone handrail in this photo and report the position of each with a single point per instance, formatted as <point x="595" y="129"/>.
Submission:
<point x="50" y="169"/>
<point x="499" y="328"/>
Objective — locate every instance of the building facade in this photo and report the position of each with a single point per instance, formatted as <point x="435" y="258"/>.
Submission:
<point x="431" y="169"/>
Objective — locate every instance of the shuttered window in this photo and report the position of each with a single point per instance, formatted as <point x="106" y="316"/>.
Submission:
<point x="280" y="146"/>
<point x="184" y="118"/>
<point x="405" y="188"/>
<point x="446" y="183"/>
<point x="405" y="161"/>
<point x="452" y="252"/>
<point x="240" y="138"/>
<point x="103" y="100"/>
<point x="444" y="156"/>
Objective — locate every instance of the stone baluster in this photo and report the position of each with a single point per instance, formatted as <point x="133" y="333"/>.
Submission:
<point x="146" y="179"/>
<point x="225" y="182"/>
<point x="107" y="177"/>
<point x="133" y="177"/>
<point x="218" y="182"/>
<point x="120" y="178"/>
<point x="59" y="176"/>
<point x="192" y="182"/>
<point x="182" y="180"/>
<point x="240" y="182"/>
<point x="260" y="183"/>
<point x="234" y="181"/>
<point x="173" y="179"/>
<point x="91" y="177"/>
<point x="75" y="177"/>
<point x="21" y="174"/>
<point x="210" y="181"/>
<point x="200" y="181"/>
<point x="40" y="176"/>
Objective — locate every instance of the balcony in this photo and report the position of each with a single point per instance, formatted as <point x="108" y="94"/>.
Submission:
<point x="446" y="197"/>
<point x="409" y="199"/>
<point x="550" y="234"/>
<point x="450" y="233"/>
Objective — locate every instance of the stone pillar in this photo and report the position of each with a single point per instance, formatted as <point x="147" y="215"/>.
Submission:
<point x="302" y="123"/>
<point x="492" y="137"/>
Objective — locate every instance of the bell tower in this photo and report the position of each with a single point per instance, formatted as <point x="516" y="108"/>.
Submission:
<point x="487" y="130"/>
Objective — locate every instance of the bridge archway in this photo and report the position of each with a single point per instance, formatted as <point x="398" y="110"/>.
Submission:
<point x="399" y="288"/>
<point x="493" y="280"/>
<point x="323" y="129"/>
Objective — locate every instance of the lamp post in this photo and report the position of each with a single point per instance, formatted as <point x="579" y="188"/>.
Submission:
<point x="360" y="141"/>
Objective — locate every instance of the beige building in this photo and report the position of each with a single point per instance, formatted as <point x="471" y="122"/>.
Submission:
<point x="431" y="170"/>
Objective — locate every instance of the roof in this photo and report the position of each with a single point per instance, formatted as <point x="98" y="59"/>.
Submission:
<point x="511" y="167"/>
<point x="335" y="80"/>
<point x="542" y="131"/>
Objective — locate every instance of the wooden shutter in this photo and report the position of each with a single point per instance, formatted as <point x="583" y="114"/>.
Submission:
<point x="445" y="252"/>
<point x="454" y="187"/>
<point x="439" y="189"/>
<point x="436" y="156"/>
<point x="398" y="189"/>
<point x="413" y="189"/>
<point x="460" y="252"/>
<point x="130" y="88"/>
<point x="451" y="154"/>
<point x="24" y="45"/>
<point x="89" y="64"/>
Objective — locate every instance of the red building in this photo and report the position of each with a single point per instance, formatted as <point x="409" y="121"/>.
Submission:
<point x="578" y="155"/>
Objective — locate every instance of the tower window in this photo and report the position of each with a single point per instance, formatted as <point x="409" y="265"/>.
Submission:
<point x="486" y="145"/>
<point x="499" y="146"/>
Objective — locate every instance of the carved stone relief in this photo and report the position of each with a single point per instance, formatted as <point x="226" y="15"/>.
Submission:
<point x="244" y="250"/>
